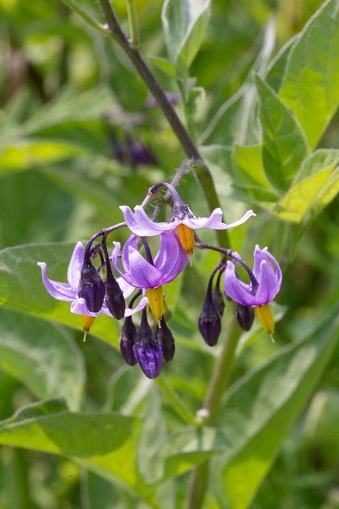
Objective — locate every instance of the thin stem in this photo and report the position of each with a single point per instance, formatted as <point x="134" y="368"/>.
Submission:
<point x="133" y="23"/>
<point x="210" y="411"/>
<point x="221" y="373"/>
<point x="231" y="254"/>
<point x="74" y="6"/>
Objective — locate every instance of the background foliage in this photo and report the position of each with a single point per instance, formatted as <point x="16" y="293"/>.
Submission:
<point x="258" y="88"/>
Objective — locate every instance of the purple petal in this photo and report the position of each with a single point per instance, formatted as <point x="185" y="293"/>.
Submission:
<point x="79" y="307"/>
<point x="142" y="273"/>
<point x="126" y="288"/>
<point x="236" y="289"/>
<point x="115" y="260"/>
<point x="140" y="224"/>
<point x="75" y="265"/>
<point x="149" y="358"/>
<point x="268" y="285"/>
<point x="60" y="291"/>
<point x="143" y="302"/>
<point x="171" y="258"/>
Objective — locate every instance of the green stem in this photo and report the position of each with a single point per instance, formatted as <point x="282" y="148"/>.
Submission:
<point x="179" y="406"/>
<point x="74" y="6"/>
<point x="133" y="23"/>
<point x="208" y="415"/>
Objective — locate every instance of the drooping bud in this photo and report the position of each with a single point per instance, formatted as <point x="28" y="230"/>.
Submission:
<point x="186" y="238"/>
<point x="245" y="317"/>
<point x="114" y="296"/>
<point x="265" y="316"/>
<point x="91" y="287"/>
<point x="147" y="351"/>
<point x="210" y="324"/>
<point x="164" y="337"/>
<point x="156" y="301"/>
<point x="127" y="339"/>
<point x="209" y="321"/>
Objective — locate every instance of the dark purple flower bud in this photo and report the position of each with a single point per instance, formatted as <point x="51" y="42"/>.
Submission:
<point x="147" y="351"/>
<point x="210" y="324"/>
<point x="140" y="154"/>
<point x="127" y="339"/>
<point x="210" y="319"/>
<point x="245" y="316"/>
<point x="164" y="337"/>
<point x="114" y="296"/>
<point x="117" y="150"/>
<point x="91" y="287"/>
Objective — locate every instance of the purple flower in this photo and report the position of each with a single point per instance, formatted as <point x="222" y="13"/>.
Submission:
<point x="140" y="273"/>
<point x="266" y="271"/>
<point x="140" y="224"/>
<point x="69" y="291"/>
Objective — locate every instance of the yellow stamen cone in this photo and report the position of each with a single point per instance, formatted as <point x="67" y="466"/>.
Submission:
<point x="266" y="319"/>
<point x="186" y="238"/>
<point x="156" y="301"/>
<point x="87" y="322"/>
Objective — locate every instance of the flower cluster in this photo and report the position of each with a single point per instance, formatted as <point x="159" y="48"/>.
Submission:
<point x="92" y="288"/>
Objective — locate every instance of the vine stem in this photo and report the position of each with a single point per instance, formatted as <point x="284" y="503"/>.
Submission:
<point x="198" y="165"/>
<point x="208" y="415"/>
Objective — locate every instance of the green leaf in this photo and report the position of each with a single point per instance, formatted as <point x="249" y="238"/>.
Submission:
<point x="41" y="356"/>
<point x="184" y="23"/>
<point x="25" y="154"/>
<point x="165" y="65"/>
<point x="311" y="82"/>
<point x="23" y="290"/>
<point x="261" y="409"/>
<point x="276" y="68"/>
<point x="315" y="185"/>
<point x="284" y="144"/>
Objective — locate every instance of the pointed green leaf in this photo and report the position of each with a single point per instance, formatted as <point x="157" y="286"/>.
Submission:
<point x="284" y="143"/>
<point x="103" y="443"/>
<point x="315" y="185"/>
<point x="165" y="65"/>
<point x="311" y="82"/>
<point x="184" y="23"/>
<point x="261" y="409"/>
<point x="42" y="356"/>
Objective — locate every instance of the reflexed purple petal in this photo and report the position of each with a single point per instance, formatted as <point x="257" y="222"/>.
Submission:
<point x="79" y="307"/>
<point x="236" y="289"/>
<point x="171" y="258"/>
<point x="126" y="288"/>
<point x="142" y="273"/>
<point x="278" y="273"/>
<point x="115" y="260"/>
<point x="130" y="242"/>
<point x="143" y="302"/>
<point x="140" y="224"/>
<point x="268" y="285"/>
<point x="149" y="357"/>
<point x="75" y="265"/>
<point x="60" y="291"/>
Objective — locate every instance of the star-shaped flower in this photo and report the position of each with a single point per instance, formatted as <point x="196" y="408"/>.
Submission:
<point x="266" y="271"/>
